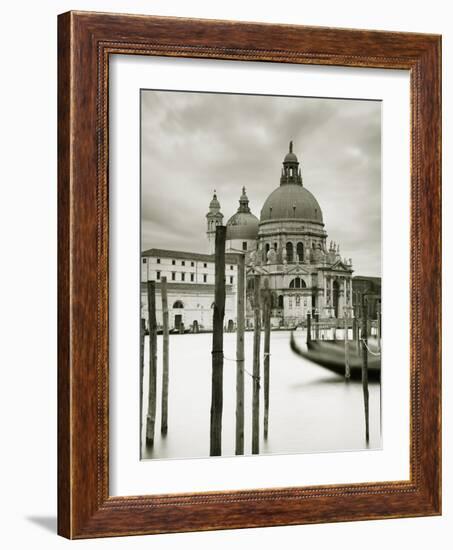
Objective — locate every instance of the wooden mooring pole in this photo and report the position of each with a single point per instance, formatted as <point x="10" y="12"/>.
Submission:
<point x="365" y="366"/>
<point x="142" y="371"/>
<point x="354" y="328"/>
<point x="152" y="325"/>
<point x="165" y="346"/>
<point x="217" y="344"/>
<point x="240" y="356"/>
<point x="308" y="328"/>
<point x="347" y="369"/>
<point x="267" y="341"/>
<point x="357" y="331"/>
<point x="256" y="367"/>
<point x="379" y="327"/>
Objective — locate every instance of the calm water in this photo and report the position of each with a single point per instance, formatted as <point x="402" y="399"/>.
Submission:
<point x="311" y="409"/>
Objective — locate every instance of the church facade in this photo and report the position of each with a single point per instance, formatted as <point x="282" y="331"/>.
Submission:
<point x="287" y="246"/>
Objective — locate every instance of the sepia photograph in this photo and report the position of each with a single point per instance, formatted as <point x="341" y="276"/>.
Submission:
<point x="260" y="289"/>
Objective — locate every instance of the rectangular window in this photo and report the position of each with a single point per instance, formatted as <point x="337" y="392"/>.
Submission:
<point x="144" y="260"/>
<point x="231" y="267"/>
<point x="192" y="264"/>
<point x="173" y="262"/>
<point x="205" y="265"/>
<point x="173" y="276"/>
<point x="244" y="245"/>
<point x="157" y="275"/>
<point x="192" y="277"/>
<point x="183" y="276"/>
<point x="183" y="262"/>
<point x="158" y="260"/>
<point x="231" y="280"/>
<point x="205" y="278"/>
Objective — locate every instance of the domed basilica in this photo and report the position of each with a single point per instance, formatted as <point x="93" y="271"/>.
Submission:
<point x="288" y="247"/>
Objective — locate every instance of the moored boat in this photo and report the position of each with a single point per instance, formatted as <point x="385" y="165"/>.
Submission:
<point x="331" y="356"/>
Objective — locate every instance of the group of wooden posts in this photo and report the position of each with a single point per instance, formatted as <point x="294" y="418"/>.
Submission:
<point x="217" y="356"/>
<point x="360" y="338"/>
<point x="152" y="384"/>
<point x="262" y="310"/>
<point x="262" y="305"/>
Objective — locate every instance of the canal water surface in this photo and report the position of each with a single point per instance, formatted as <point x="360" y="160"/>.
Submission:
<point x="311" y="409"/>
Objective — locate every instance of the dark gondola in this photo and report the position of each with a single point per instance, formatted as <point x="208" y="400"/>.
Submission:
<point x="330" y="355"/>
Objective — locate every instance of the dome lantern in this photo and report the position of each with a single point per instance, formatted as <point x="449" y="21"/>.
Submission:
<point x="291" y="173"/>
<point x="244" y="203"/>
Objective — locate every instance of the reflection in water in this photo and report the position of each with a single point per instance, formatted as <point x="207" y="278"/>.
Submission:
<point x="311" y="409"/>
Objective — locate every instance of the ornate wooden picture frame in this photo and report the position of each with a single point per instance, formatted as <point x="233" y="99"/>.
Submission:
<point x="85" y="507"/>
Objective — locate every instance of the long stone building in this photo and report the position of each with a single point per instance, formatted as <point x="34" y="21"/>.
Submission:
<point x="287" y="246"/>
<point x="190" y="287"/>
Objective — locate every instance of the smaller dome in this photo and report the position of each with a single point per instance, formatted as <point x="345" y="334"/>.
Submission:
<point x="243" y="224"/>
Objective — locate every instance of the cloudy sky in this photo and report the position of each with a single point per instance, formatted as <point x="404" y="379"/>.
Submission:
<point x="193" y="143"/>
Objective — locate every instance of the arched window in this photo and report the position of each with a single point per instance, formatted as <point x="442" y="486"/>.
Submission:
<point x="275" y="247"/>
<point x="297" y="283"/>
<point x="178" y="305"/>
<point x="280" y="301"/>
<point x="289" y="252"/>
<point x="268" y="246"/>
<point x="300" y="251"/>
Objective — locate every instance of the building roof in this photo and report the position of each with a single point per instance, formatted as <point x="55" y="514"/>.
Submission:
<point x="376" y="280"/>
<point x="182" y="255"/>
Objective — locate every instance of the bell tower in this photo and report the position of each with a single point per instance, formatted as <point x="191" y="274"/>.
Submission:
<point x="213" y="218"/>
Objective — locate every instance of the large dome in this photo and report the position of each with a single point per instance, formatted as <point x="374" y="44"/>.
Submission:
<point x="291" y="201"/>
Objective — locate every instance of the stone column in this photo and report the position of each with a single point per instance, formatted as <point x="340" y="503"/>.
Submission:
<point x="341" y="298"/>
<point x="332" y="310"/>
